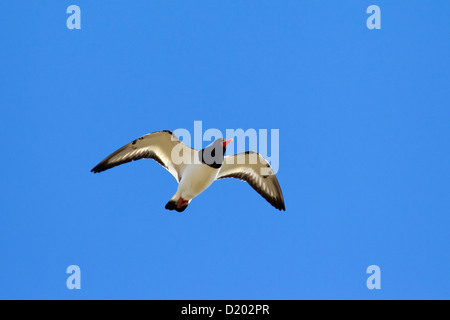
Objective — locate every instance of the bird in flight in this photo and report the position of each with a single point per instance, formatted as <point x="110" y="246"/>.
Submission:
<point x="196" y="170"/>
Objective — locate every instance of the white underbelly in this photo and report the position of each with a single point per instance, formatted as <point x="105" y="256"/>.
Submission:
<point x="196" y="179"/>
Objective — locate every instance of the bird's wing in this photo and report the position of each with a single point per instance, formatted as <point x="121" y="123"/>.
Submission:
<point x="253" y="168"/>
<point x="157" y="146"/>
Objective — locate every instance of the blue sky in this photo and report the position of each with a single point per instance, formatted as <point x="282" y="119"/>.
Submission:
<point x="364" y="149"/>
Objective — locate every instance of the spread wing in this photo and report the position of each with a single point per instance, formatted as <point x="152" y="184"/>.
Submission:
<point x="157" y="146"/>
<point x="253" y="168"/>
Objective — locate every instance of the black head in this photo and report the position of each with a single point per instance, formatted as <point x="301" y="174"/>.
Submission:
<point x="213" y="155"/>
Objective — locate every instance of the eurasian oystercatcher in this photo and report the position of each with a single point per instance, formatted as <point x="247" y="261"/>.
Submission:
<point x="196" y="170"/>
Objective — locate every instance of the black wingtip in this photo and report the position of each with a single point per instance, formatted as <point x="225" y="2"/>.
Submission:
<point x="95" y="170"/>
<point x="100" y="168"/>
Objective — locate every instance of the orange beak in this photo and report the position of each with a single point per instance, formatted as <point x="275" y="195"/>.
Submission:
<point x="226" y="142"/>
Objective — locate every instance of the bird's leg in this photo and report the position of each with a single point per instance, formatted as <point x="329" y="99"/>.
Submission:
<point x="181" y="202"/>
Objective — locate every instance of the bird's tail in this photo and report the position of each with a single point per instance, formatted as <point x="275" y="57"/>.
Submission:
<point x="177" y="203"/>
